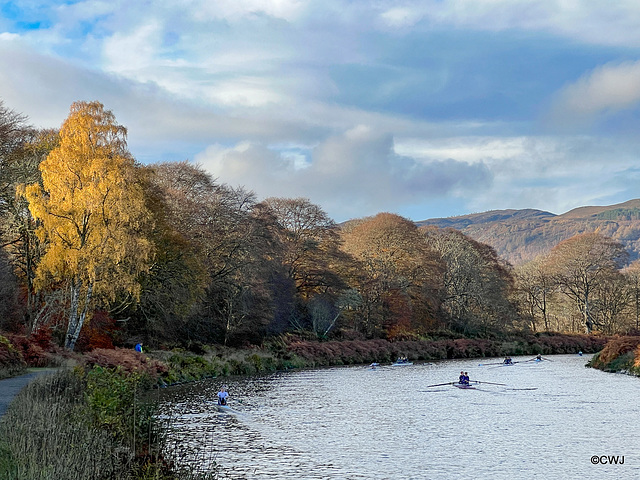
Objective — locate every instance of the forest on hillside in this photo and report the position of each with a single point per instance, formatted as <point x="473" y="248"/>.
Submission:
<point x="520" y="236"/>
<point x="100" y="250"/>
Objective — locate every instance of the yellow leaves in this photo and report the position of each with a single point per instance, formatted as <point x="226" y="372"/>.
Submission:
<point x="91" y="206"/>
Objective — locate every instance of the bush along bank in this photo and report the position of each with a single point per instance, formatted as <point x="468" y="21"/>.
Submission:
<point x="619" y="355"/>
<point x="365" y="351"/>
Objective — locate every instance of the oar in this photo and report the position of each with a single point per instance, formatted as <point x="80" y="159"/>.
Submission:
<point x="489" y="383"/>
<point x="440" y="384"/>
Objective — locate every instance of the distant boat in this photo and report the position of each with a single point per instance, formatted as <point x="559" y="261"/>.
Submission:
<point x="401" y="361"/>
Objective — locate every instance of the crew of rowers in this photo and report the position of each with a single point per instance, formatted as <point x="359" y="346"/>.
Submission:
<point x="464" y="378"/>
<point x="508" y="361"/>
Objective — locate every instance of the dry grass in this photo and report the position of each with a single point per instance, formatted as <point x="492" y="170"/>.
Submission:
<point x="47" y="435"/>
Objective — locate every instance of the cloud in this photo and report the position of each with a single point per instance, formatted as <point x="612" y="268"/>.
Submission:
<point x="592" y="22"/>
<point x="356" y="173"/>
<point x="603" y="91"/>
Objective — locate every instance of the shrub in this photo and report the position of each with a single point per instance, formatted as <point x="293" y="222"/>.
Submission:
<point x="615" y="348"/>
<point x="11" y="361"/>
<point x="31" y="352"/>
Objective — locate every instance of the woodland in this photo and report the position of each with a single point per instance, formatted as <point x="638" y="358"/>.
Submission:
<point x="100" y="250"/>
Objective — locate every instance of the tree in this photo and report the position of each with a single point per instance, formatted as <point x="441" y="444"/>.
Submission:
<point x="611" y="299"/>
<point x="230" y="248"/>
<point x="476" y="282"/>
<point x="92" y="214"/>
<point x="535" y="285"/>
<point x="632" y="274"/>
<point x="583" y="263"/>
<point x="310" y="242"/>
<point x="18" y="167"/>
<point x="397" y="275"/>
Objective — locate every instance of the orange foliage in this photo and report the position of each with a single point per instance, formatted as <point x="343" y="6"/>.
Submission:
<point x="128" y="359"/>
<point x="98" y="333"/>
<point x="618" y="346"/>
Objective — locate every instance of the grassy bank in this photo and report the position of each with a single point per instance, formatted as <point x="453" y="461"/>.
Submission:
<point x="77" y="425"/>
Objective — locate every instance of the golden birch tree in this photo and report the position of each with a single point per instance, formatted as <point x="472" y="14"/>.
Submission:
<point x="92" y="214"/>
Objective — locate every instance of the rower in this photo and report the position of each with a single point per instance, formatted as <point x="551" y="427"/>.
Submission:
<point x="507" y="361"/>
<point x="461" y="378"/>
<point x="539" y="357"/>
<point x="222" y="396"/>
<point x="466" y="378"/>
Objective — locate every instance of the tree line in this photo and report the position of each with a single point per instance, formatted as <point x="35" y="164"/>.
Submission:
<point x="93" y="241"/>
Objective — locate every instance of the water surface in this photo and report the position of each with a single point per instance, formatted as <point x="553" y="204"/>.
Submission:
<point x="356" y="423"/>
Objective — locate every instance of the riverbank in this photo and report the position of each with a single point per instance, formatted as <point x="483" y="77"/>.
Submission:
<point x="619" y="355"/>
<point x="98" y="404"/>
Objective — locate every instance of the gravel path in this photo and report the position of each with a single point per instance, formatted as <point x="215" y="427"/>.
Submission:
<point x="9" y="387"/>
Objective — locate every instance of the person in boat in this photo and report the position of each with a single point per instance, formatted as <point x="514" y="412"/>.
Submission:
<point x="461" y="378"/>
<point x="374" y="365"/>
<point x="223" y="395"/>
<point x="466" y="378"/>
<point x="539" y="357"/>
<point x="507" y="361"/>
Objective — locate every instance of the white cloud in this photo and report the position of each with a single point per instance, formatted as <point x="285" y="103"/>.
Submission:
<point x="353" y="174"/>
<point x="607" y="89"/>
<point x="593" y="22"/>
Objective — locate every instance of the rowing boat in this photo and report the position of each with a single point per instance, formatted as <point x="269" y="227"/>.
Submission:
<point x="401" y="364"/>
<point x="464" y="386"/>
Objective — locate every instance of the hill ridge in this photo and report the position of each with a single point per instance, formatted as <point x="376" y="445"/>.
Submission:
<point x="519" y="235"/>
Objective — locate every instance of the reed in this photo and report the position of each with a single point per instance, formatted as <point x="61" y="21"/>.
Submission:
<point x="73" y="425"/>
<point x="47" y="434"/>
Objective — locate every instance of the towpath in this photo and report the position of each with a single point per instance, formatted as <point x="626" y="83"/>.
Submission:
<point x="9" y="387"/>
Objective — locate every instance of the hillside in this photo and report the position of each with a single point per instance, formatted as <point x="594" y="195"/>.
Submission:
<point x="521" y="235"/>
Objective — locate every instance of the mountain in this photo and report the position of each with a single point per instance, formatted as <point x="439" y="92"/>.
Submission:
<point x="520" y="235"/>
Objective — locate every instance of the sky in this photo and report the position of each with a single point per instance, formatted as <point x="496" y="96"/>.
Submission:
<point x="425" y="108"/>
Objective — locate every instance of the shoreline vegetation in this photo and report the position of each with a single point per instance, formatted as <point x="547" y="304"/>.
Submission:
<point x="95" y="420"/>
<point x="621" y="354"/>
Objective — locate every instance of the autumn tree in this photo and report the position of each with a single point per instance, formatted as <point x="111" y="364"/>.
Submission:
<point x="535" y="286"/>
<point x="582" y="264"/>
<point x="632" y="275"/>
<point x="228" y="250"/>
<point x="309" y="250"/>
<point x="398" y="274"/>
<point x="92" y="214"/>
<point x="611" y="299"/>
<point x="311" y="244"/>
<point x="18" y="167"/>
<point x="476" y="282"/>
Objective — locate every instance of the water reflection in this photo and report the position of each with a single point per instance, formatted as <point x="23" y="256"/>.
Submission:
<point x="356" y="423"/>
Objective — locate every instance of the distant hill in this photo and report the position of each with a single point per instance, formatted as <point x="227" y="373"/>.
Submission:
<point x="520" y="235"/>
